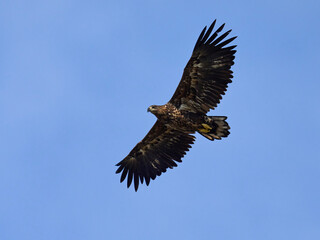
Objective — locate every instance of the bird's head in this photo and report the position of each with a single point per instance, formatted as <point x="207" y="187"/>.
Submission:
<point x="153" y="109"/>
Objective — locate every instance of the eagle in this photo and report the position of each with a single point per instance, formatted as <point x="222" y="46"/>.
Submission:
<point x="205" y="79"/>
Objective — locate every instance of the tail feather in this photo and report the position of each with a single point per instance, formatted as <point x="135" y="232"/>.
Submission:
<point x="214" y="127"/>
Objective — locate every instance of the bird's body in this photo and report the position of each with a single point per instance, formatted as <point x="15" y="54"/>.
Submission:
<point x="172" y="117"/>
<point x="182" y="120"/>
<point x="204" y="81"/>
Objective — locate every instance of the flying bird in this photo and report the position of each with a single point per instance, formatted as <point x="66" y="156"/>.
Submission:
<point x="205" y="79"/>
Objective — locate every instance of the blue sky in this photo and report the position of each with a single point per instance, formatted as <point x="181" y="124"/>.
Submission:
<point x="76" y="78"/>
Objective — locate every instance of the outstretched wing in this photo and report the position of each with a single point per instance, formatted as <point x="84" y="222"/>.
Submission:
<point x="160" y="149"/>
<point x="207" y="74"/>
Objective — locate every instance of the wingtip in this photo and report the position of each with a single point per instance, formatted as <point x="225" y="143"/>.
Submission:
<point x="203" y="31"/>
<point x="220" y="28"/>
<point x="120" y="168"/>
<point x="123" y="175"/>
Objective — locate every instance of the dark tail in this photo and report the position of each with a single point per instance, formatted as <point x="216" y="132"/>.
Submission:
<point x="214" y="128"/>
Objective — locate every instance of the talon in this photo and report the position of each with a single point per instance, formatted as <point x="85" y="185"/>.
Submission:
<point x="203" y="130"/>
<point x="206" y="126"/>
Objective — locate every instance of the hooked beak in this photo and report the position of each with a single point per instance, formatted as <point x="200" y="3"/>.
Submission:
<point x="148" y="110"/>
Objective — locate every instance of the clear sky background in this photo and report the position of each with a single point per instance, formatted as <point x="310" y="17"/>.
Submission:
<point x="76" y="78"/>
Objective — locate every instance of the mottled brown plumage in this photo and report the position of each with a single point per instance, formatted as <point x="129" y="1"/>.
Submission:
<point x="205" y="79"/>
